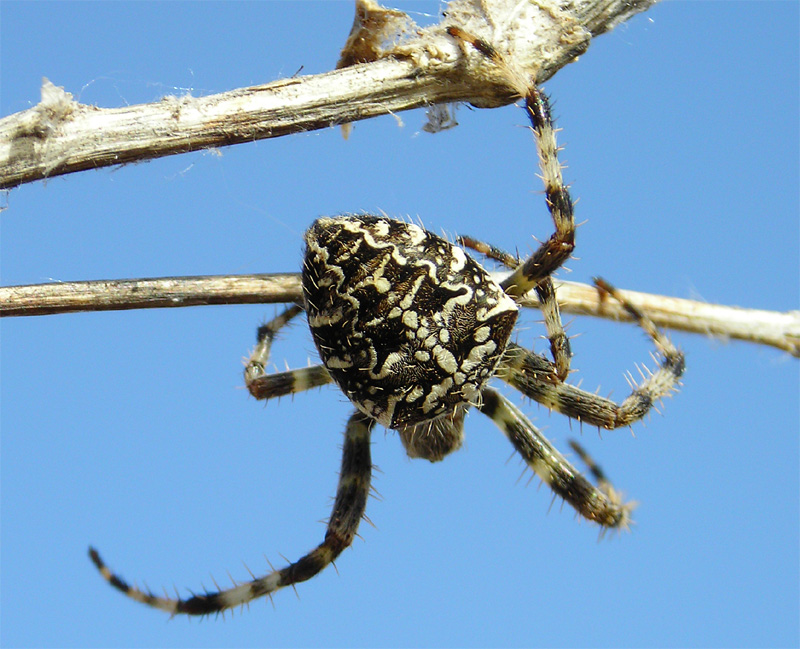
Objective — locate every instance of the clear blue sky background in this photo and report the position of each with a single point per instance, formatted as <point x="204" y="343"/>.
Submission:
<point x="131" y="430"/>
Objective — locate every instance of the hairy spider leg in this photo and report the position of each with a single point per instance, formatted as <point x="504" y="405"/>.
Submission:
<point x="524" y="371"/>
<point x="268" y="386"/>
<point x="535" y="271"/>
<point x="597" y="472"/>
<point x="557" y="249"/>
<point x="601" y="504"/>
<point x="348" y="510"/>
<point x="531" y="373"/>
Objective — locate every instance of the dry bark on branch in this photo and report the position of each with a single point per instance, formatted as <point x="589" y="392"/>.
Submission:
<point x="60" y="136"/>
<point x="781" y="330"/>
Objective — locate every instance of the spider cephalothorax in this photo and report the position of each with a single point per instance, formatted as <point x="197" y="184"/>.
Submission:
<point x="411" y="329"/>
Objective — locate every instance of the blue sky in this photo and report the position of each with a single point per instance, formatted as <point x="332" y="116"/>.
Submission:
<point x="131" y="430"/>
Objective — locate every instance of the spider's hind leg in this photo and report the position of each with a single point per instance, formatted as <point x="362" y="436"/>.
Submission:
<point x="267" y="386"/>
<point x="348" y="510"/>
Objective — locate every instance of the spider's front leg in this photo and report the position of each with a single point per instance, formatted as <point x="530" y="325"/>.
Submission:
<point x="557" y="249"/>
<point x="536" y="271"/>
<point x="348" y="510"/>
<point x="268" y="386"/>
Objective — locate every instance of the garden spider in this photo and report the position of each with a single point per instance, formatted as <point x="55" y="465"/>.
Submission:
<point x="411" y="329"/>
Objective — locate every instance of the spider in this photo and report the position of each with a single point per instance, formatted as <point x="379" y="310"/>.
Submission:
<point x="411" y="328"/>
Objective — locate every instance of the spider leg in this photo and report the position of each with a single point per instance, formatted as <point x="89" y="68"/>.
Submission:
<point x="558" y="248"/>
<point x="597" y="472"/>
<point x="488" y="250"/>
<point x="601" y="504"/>
<point x="534" y="273"/>
<point x="527" y="372"/>
<point x="268" y="386"/>
<point x="257" y="362"/>
<point x="348" y="510"/>
<point x="552" y="253"/>
<point x="559" y="342"/>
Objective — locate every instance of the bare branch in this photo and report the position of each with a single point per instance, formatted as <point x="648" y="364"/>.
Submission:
<point x="774" y="328"/>
<point x="60" y="136"/>
<point x="777" y="329"/>
<point x="150" y="293"/>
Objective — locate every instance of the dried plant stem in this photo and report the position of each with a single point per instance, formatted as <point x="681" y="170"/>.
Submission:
<point x="773" y="328"/>
<point x="148" y="293"/>
<point x="60" y="135"/>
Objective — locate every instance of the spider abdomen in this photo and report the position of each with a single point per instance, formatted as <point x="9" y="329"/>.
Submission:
<point x="407" y="324"/>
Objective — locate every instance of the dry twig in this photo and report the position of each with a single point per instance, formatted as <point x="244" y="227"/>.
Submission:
<point x="781" y="330"/>
<point x="60" y="135"/>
